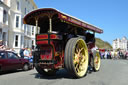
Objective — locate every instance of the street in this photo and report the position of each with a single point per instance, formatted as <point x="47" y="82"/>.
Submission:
<point x="112" y="72"/>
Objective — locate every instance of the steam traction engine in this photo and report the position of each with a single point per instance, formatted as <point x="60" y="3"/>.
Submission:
<point x="63" y="41"/>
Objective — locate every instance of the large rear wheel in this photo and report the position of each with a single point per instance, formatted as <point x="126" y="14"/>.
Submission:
<point x="76" y="57"/>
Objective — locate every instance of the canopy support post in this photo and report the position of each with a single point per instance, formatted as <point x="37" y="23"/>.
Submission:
<point x="50" y="25"/>
<point x="36" y="25"/>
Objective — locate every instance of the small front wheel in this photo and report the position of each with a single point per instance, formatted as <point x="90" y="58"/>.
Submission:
<point x="45" y="72"/>
<point x="96" y="61"/>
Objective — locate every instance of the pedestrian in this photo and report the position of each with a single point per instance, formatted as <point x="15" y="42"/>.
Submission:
<point x="109" y="55"/>
<point x="26" y="53"/>
<point x="112" y="54"/>
<point x="106" y="54"/>
<point x="31" y="58"/>
<point x="22" y="52"/>
<point x="118" y="55"/>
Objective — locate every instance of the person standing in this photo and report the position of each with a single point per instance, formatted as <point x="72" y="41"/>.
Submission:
<point x="26" y="53"/>
<point x="112" y="54"/>
<point x="106" y="54"/>
<point x="22" y="53"/>
<point x="31" y="58"/>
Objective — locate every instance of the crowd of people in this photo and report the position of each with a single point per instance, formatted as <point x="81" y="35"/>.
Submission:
<point x="109" y="54"/>
<point x="3" y="47"/>
<point x="26" y="53"/>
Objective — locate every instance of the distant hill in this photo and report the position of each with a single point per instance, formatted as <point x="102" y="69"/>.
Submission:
<point x="102" y="44"/>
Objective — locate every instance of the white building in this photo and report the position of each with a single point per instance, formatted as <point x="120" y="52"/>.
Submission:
<point x="4" y="20"/>
<point x="120" y="43"/>
<point x="21" y="35"/>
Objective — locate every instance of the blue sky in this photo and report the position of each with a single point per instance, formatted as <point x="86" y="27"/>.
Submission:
<point x="109" y="15"/>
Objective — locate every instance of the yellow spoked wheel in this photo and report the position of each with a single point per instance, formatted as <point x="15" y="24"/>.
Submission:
<point x="97" y="61"/>
<point x="76" y="57"/>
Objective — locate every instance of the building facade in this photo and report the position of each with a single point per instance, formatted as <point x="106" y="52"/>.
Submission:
<point x="4" y="20"/>
<point x="21" y="35"/>
<point x="120" y="44"/>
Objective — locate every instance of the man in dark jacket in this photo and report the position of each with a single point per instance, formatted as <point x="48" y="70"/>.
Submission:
<point x="22" y="52"/>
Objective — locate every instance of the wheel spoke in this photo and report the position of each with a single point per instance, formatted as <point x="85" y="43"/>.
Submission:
<point x="76" y="67"/>
<point x="79" y="58"/>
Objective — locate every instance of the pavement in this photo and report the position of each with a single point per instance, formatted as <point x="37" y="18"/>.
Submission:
<point x="112" y="72"/>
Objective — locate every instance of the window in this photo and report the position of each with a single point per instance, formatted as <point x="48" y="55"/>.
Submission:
<point x="12" y="56"/>
<point x="16" y="40"/>
<point x="32" y="30"/>
<point x="17" y="21"/>
<point x="4" y="16"/>
<point x="2" y="55"/>
<point x="18" y="5"/>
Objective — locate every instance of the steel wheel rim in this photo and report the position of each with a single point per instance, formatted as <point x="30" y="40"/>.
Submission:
<point x="80" y="58"/>
<point x="97" y="61"/>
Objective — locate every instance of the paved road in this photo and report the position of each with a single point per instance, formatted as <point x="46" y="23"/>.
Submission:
<point x="112" y="72"/>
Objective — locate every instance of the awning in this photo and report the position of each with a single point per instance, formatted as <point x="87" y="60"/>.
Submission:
<point x="31" y="17"/>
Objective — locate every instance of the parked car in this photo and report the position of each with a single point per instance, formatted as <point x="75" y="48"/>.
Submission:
<point x="11" y="61"/>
